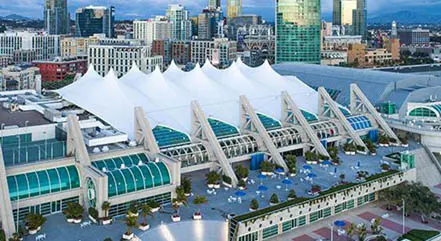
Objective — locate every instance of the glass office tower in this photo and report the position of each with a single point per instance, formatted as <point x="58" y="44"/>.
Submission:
<point x="95" y="20"/>
<point x="298" y="31"/>
<point x="234" y="8"/>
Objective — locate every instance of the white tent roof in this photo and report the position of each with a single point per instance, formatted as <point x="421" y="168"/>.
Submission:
<point x="166" y="97"/>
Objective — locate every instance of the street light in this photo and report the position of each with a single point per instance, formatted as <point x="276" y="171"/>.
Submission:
<point x="404" y="216"/>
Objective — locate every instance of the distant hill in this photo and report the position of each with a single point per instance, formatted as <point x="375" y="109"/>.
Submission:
<point x="14" y="17"/>
<point x="408" y="17"/>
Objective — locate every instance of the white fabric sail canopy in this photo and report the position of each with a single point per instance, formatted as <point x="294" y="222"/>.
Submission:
<point x="166" y="97"/>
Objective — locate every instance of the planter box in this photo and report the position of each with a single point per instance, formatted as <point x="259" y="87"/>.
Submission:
<point x="353" y="153"/>
<point x="154" y="210"/>
<point x="290" y="198"/>
<point x="362" y="152"/>
<point x="77" y="221"/>
<point x="197" y="216"/>
<point x="127" y="237"/>
<point x="312" y="162"/>
<point x="227" y="184"/>
<point x="241" y="188"/>
<point x="106" y="221"/>
<point x="176" y="218"/>
<point x="245" y="179"/>
<point x="348" y="153"/>
<point x="32" y="231"/>
<point x="292" y="174"/>
<point x="144" y="228"/>
<point x="272" y="204"/>
<point x="252" y="210"/>
<point x="92" y="219"/>
<point x="187" y="194"/>
<point x="210" y="185"/>
<point x="70" y="220"/>
<point x="384" y="170"/>
<point x="217" y="186"/>
<point x="405" y="145"/>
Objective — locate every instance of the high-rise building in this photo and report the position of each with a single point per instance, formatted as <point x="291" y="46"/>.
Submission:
<point x="29" y="46"/>
<point x="234" y="8"/>
<point x="416" y="36"/>
<point x="359" y="18"/>
<point x="70" y="47"/>
<point x="208" y="22"/>
<point x="120" y="55"/>
<point x="179" y="15"/>
<point x="158" y="28"/>
<point x="56" y="17"/>
<point x="352" y="15"/>
<point x="220" y="51"/>
<point x="394" y="32"/>
<point x="213" y="4"/>
<point x="95" y="20"/>
<point x="298" y="31"/>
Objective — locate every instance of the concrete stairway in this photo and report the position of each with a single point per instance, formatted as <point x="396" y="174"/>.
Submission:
<point x="428" y="167"/>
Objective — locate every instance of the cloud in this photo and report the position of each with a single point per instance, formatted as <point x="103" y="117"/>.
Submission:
<point x="148" y="8"/>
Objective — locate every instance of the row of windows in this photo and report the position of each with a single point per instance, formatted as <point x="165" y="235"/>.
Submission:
<point x="120" y="209"/>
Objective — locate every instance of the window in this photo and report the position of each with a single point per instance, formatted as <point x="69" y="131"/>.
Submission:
<point x="249" y="237"/>
<point x="422" y="112"/>
<point x="288" y="225"/>
<point x="270" y="232"/>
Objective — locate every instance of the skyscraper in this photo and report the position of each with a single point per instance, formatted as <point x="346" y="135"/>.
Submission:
<point x="182" y="23"/>
<point x="351" y="14"/>
<point x="213" y="4"/>
<point x="394" y="32"/>
<point x="359" y="16"/>
<point x="56" y="17"/>
<point x="298" y="31"/>
<point x="234" y="8"/>
<point x="94" y="20"/>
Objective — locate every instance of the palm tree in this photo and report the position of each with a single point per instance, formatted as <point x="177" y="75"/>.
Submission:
<point x="146" y="210"/>
<point x="351" y="231"/>
<point x="105" y="207"/>
<point x="362" y="232"/>
<point x="131" y="222"/>
<point x="376" y="226"/>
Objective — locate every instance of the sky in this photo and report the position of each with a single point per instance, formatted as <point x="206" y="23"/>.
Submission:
<point x="131" y="9"/>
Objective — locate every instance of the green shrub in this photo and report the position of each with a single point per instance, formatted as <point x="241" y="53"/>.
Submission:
<point x="241" y="183"/>
<point x="227" y="179"/>
<point x="93" y="213"/>
<point x="292" y="194"/>
<point x="34" y="220"/>
<point x="2" y="235"/>
<point x="274" y="199"/>
<point x="73" y="210"/>
<point x="254" y="204"/>
<point x="242" y="172"/>
<point x="267" y="166"/>
<point x="107" y="239"/>
<point x="213" y="177"/>
<point x="153" y="204"/>
<point x="199" y="200"/>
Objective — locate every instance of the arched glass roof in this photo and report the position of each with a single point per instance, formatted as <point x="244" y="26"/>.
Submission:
<point x="268" y="122"/>
<point x="136" y="174"/>
<point x="38" y="183"/>
<point x="222" y="129"/>
<point x="168" y="137"/>
<point x="360" y="122"/>
<point x="309" y="116"/>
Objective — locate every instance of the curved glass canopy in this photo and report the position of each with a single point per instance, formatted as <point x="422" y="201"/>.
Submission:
<point x="222" y="129"/>
<point x="38" y="183"/>
<point x="268" y="122"/>
<point x="422" y="112"/>
<point x="168" y="137"/>
<point x="309" y="116"/>
<point x="359" y="122"/>
<point x="133" y="173"/>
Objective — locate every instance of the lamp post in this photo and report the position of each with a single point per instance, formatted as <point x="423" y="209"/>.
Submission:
<point x="404" y="216"/>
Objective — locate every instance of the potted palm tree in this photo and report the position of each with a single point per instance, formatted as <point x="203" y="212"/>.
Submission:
<point x="197" y="201"/>
<point x="385" y="167"/>
<point x="212" y="179"/>
<point x="154" y="205"/>
<point x="242" y="172"/>
<point x="33" y="222"/>
<point x="186" y="184"/>
<point x="404" y="141"/>
<point x="267" y="168"/>
<point x="105" y="207"/>
<point x="146" y="210"/>
<point x="274" y="199"/>
<point x="175" y="216"/>
<point x="254" y="205"/>
<point x="131" y="222"/>
<point x="74" y="211"/>
<point x="242" y="184"/>
<point x="291" y="162"/>
<point x="133" y="210"/>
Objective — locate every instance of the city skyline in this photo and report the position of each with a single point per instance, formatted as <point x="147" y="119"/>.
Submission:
<point x="129" y="10"/>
